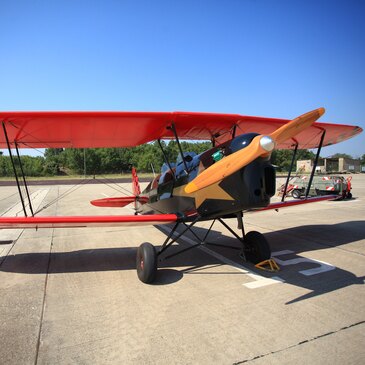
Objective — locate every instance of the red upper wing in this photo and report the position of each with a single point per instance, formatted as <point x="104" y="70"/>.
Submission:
<point x="126" y="129"/>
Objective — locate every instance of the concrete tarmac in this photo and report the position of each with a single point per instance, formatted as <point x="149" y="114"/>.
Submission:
<point x="72" y="296"/>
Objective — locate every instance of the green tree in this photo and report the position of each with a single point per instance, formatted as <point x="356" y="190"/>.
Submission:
<point x="5" y="166"/>
<point x="283" y="158"/>
<point x="32" y="166"/>
<point x="54" y="161"/>
<point x="74" y="160"/>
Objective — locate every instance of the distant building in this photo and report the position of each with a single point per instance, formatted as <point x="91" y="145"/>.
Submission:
<point x="326" y="165"/>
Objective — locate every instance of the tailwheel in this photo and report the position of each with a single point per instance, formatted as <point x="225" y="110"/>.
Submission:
<point x="257" y="247"/>
<point x="146" y="263"/>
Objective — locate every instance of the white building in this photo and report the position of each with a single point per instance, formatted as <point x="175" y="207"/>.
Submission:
<point x="326" y="165"/>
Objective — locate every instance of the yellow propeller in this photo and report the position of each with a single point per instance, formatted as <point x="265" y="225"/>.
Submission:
<point x="259" y="146"/>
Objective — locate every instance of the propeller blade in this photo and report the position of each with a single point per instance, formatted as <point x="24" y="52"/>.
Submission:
<point x="296" y="126"/>
<point x="259" y="146"/>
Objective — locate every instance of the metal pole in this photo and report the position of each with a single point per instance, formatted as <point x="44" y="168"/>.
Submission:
<point x="14" y="169"/>
<point x="315" y="163"/>
<point x="165" y="158"/>
<point x="153" y="170"/>
<point x="24" y="180"/>
<point x="84" y="163"/>
<point x="179" y="146"/>
<point x="234" y="130"/>
<point x="290" y="170"/>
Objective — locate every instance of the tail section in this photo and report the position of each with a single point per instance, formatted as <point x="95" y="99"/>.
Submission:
<point x="120" y="202"/>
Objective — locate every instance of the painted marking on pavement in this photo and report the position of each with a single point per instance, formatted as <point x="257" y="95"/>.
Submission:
<point x="323" y="266"/>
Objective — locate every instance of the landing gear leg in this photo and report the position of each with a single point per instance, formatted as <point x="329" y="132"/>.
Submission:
<point x="147" y="255"/>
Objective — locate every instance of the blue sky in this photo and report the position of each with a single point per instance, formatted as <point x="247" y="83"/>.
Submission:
<point x="252" y="57"/>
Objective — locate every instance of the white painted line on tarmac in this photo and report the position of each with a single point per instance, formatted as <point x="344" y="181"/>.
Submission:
<point x="259" y="282"/>
<point x="17" y="210"/>
<point x="36" y="199"/>
<point x="281" y="253"/>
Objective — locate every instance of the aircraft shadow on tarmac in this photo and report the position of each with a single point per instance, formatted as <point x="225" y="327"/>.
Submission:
<point x="297" y="239"/>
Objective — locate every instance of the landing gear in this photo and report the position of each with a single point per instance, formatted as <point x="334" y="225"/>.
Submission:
<point x="296" y="194"/>
<point x="146" y="263"/>
<point x="257" y="248"/>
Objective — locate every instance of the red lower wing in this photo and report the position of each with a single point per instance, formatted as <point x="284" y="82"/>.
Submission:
<point x="291" y="203"/>
<point x="86" y="221"/>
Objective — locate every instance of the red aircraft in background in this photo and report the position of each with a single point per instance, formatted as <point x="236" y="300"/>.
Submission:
<point x="233" y="177"/>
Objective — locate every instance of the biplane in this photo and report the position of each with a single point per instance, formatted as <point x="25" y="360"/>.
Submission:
<point x="233" y="177"/>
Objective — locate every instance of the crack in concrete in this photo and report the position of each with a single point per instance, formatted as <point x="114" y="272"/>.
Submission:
<point x="44" y="303"/>
<point x="45" y="291"/>
<point x="299" y="343"/>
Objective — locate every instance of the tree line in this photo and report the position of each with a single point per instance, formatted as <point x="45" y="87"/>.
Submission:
<point x="97" y="161"/>
<point x="146" y="158"/>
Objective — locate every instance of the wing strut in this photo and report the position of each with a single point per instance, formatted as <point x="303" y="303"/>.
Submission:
<point x="24" y="179"/>
<point x="16" y="174"/>
<point x="166" y="158"/>
<point x="289" y="173"/>
<point x="315" y="163"/>
<point x="172" y="127"/>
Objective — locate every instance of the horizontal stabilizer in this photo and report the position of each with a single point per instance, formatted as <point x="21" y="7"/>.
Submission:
<point x="117" y="202"/>
<point x="86" y="221"/>
<point x="113" y="202"/>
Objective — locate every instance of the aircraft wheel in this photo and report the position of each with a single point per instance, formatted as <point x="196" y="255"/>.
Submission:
<point x="258" y="247"/>
<point x="146" y="262"/>
<point x="295" y="194"/>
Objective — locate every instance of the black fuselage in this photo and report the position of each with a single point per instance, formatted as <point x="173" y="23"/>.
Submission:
<point x="249" y="188"/>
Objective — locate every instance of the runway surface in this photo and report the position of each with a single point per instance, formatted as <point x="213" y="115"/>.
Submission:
<point x="71" y="296"/>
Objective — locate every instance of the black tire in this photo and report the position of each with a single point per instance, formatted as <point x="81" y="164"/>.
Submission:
<point x="258" y="248"/>
<point x="296" y="194"/>
<point x="349" y="196"/>
<point x="146" y="262"/>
